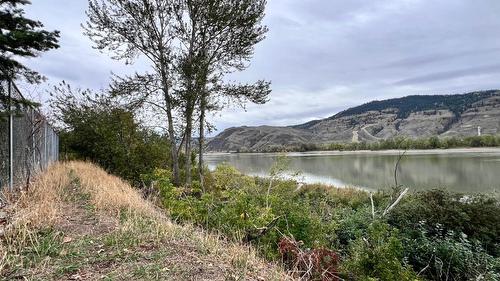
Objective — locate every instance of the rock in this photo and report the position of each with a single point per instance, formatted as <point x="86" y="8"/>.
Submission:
<point x="3" y="217"/>
<point x="67" y="239"/>
<point x="75" y="277"/>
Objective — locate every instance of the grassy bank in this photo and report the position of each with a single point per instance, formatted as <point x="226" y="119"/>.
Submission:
<point x="430" y="235"/>
<point x="76" y="222"/>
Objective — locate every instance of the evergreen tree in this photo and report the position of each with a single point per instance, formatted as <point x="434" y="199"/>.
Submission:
<point x="21" y="37"/>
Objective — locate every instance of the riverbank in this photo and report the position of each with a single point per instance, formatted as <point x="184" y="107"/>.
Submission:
<point x="81" y="223"/>
<point x="384" y="235"/>
<point x="387" y="151"/>
<point x="398" y="143"/>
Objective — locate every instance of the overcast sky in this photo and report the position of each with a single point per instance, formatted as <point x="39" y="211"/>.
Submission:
<point x="322" y="56"/>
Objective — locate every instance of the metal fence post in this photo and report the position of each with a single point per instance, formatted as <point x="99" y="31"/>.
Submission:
<point x="11" y="138"/>
<point x="45" y="145"/>
<point x="33" y="145"/>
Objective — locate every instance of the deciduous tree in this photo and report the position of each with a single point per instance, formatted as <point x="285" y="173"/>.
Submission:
<point x="130" y="28"/>
<point x="217" y="37"/>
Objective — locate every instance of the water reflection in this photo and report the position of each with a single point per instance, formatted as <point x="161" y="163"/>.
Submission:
<point x="461" y="171"/>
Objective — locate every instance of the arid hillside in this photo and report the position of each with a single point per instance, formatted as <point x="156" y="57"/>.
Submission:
<point x="412" y="116"/>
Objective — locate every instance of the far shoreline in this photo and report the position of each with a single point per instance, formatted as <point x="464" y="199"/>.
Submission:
<point x="382" y="151"/>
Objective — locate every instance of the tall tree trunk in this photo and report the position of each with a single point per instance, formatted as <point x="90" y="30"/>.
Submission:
<point x="201" y="141"/>
<point x="171" y="129"/>
<point x="189" y="132"/>
<point x="173" y="146"/>
<point x="190" y="101"/>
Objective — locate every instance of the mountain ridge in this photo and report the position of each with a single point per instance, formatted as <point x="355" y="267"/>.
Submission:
<point x="413" y="116"/>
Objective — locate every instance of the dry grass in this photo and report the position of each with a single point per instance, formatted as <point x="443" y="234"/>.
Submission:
<point x="41" y="205"/>
<point x="38" y="207"/>
<point x="110" y="193"/>
<point x="79" y="222"/>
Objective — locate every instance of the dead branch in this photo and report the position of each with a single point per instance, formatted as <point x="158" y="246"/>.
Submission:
<point x="396" y="168"/>
<point x="389" y="208"/>
<point x="258" y="232"/>
<point x="373" y="206"/>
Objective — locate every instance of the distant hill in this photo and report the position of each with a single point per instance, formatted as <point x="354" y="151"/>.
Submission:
<point x="411" y="116"/>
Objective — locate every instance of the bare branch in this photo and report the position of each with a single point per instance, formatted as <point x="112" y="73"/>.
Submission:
<point x="395" y="202"/>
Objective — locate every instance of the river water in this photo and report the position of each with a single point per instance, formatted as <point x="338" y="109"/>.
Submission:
<point x="460" y="170"/>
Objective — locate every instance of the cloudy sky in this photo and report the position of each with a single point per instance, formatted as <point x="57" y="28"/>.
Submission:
<point x="322" y="56"/>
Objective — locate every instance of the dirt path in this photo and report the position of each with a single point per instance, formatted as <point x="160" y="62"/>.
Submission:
<point x="372" y="137"/>
<point x="355" y="136"/>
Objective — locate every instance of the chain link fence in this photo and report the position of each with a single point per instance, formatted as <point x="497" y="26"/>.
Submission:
<point x="28" y="144"/>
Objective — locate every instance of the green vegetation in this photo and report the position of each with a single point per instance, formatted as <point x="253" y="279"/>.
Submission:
<point x="393" y="143"/>
<point x="399" y="143"/>
<point x="94" y="128"/>
<point x="425" y="143"/>
<point x="429" y="235"/>
<point x="187" y="79"/>
<point x="68" y="227"/>
<point x="20" y="37"/>
<point x="113" y="232"/>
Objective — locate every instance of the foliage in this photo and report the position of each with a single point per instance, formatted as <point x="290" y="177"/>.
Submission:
<point x="95" y="129"/>
<point x="476" y="216"/>
<point x="407" y="143"/>
<point x="339" y="220"/>
<point x="191" y="45"/>
<point x="449" y="256"/>
<point x="393" y="143"/>
<point x="21" y="37"/>
<point x="217" y="37"/>
<point x="127" y="29"/>
<point x="378" y="256"/>
<point x="114" y="232"/>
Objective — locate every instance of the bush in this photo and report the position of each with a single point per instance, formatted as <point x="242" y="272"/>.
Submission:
<point x="379" y="255"/>
<point x="450" y="256"/>
<point x="96" y="129"/>
<point x="476" y="216"/>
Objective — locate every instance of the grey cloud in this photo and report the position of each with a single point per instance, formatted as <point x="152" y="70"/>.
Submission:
<point x="438" y="57"/>
<point x="446" y="75"/>
<point x="323" y="56"/>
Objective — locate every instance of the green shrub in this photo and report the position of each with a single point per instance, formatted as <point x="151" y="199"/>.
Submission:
<point x="474" y="215"/>
<point x="450" y="256"/>
<point x="378" y="255"/>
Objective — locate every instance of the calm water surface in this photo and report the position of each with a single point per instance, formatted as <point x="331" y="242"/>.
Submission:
<point x="460" y="170"/>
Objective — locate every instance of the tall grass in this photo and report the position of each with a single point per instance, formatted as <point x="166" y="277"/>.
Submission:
<point x="110" y="193"/>
<point x="40" y="205"/>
